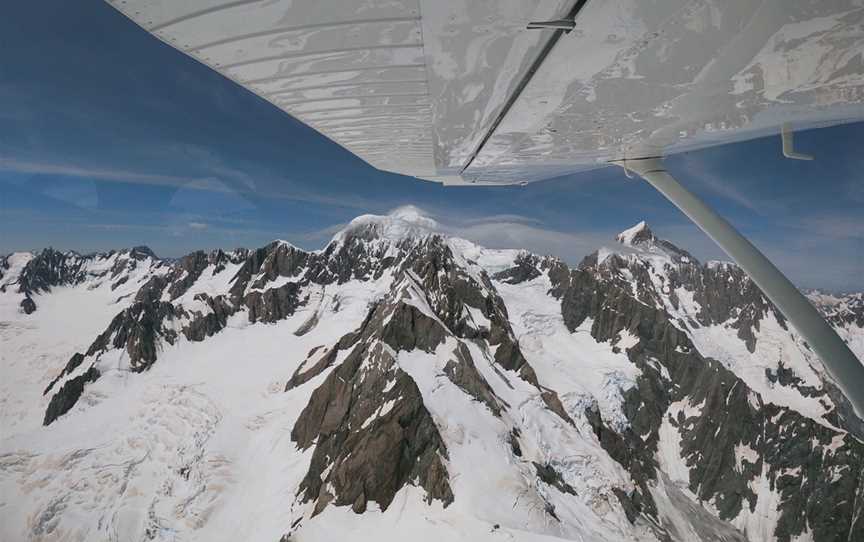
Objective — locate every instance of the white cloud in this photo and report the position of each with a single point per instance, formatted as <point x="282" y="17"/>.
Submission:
<point x="508" y="218"/>
<point x="835" y="226"/>
<point x="106" y="174"/>
<point x="198" y="225"/>
<point x="696" y="171"/>
<point x="503" y="232"/>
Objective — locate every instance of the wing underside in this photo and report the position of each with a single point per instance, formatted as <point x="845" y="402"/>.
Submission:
<point x="461" y="91"/>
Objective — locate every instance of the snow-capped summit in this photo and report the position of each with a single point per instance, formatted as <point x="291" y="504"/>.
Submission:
<point x="640" y="240"/>
<point x="638" y="235"/>
<point x="141" y="252"/>
<point x="401" y="223"/>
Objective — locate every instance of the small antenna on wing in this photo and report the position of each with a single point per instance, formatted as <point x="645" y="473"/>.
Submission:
<point x="787" y="135"/>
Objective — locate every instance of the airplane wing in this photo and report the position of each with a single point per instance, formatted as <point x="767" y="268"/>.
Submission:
<point x="464" y="91"/>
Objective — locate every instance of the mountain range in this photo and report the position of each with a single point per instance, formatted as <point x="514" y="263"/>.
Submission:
<point x="401" y="383"/>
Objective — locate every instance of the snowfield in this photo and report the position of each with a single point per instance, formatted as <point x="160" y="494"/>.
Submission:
<point x="537" y="420"/>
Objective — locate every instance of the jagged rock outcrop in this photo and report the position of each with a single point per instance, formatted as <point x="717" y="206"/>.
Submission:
<point x="844" y="310"/>
<point x="792" y="454"/>
<point x="74" y="362"/>
<point x="68" y="395"/>
<point x="462" y="372"/>
<point x="137" y="330"/>
<point x="371" y="430"/>
<point x="50" y="268"/>
<point x="28" y="305"/>
<point x="372" y="435"/>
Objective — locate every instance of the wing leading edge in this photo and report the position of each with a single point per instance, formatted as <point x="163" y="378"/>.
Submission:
<point x="463" y="91"/>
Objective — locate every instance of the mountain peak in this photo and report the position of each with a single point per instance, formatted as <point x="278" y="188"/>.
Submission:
<point x="640" y="234"/>
<point x="642" y="240"/>
<point x="400" y="223"/>
<point x="141" y="252"/>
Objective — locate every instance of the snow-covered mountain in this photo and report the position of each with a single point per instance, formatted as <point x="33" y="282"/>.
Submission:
<point x="403" y="384"/>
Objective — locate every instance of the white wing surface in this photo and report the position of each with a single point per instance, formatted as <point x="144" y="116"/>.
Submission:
<point x="462" y="90"/>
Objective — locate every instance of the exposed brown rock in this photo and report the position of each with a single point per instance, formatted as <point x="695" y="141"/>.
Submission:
<point x="370" y="460"/>
<point x="68" y="395"/>
<point x="462" y="372"/>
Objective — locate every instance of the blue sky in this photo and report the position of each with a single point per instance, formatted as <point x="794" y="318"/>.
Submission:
<point x="110" y="139"/>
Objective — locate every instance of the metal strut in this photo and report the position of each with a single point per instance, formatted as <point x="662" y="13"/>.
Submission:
<point x="846" y="370"/>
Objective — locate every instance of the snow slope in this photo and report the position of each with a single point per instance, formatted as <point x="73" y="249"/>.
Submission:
<point x="210" y="369"/>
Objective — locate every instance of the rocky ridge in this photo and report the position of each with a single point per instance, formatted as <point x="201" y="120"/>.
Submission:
<point x="697" y="424"/>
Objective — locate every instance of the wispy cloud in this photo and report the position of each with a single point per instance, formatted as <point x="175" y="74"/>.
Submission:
<point x="835" y="226"/>
<point x="219" y="178"/>
<point x="501" y="231"/>
<point x="198" y="225"/>
<point x="697" y="171"/>
<point x="108" y="226"/>
<point x="507" y="218"/>
<point x="102" y="174"/>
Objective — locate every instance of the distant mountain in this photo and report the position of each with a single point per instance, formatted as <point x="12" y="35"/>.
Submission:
<point x="400" y="380"/>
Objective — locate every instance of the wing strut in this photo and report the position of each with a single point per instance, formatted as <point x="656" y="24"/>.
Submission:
<point x="846" y="370"/>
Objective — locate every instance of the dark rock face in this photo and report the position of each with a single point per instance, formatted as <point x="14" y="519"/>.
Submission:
<point x="152" y="320"/>
<point x="552" y="477"/>
<point x="631" y="452"/>
<point x="724" y="293"/>
<point x="142" y="252"/>
<point x="410" y="329"/>
<point x="186" y="272"/>
<point x="74" y="362"/>
<point x="68" y="395"/>
<point x="50" y="268"/>
<point x="282" y="260"/>
<point x="274" y="304"/>
<point x="321" y="358"/>
<point x="371" y="431"/>
<point x="641" y="236"/>
<point x="792" y="452"/>
<point x="527" y="267"/>
<point x="370" y="426"/>
<point x="848" y="310"/>
<point x="206" y="324"/>
<point x="138" y="330"/>
<point x="787" y="377"/>
<point x="306" y="373"/>
<point x="464" y="374"/>
<point x="28" y="305"/>
<point x="141" y="329"/>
